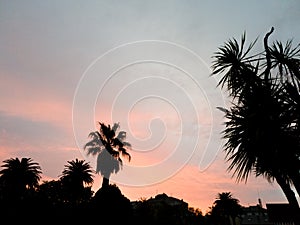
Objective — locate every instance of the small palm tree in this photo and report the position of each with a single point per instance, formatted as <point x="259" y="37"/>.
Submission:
<point x="75" y="176"/>
<point x="17" y="176"/>
<point x="110" y="146"/>
<point x="78" y="173"/>
<point x="226" y="208"/>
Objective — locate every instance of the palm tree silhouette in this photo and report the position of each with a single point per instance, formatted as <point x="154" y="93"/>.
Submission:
<point x="262" y="127"/>
<point x="226" y="208"/>
<point x="110" y="146"/>
<point x="17" y="176"/>
<point x="285" y="59"/>
<point x="76" y="174"/>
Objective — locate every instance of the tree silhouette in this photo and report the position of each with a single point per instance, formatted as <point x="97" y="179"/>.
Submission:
<point x="17" y="176"/>
<point x="225" y="209"/>
<point x="51" y="193"/>
<point x="262" y="126"/>
<point x="76" y="174"/>
<point x="111" y="205"/>
<point x="286" y="59"/>
<point x="110" y="146"/>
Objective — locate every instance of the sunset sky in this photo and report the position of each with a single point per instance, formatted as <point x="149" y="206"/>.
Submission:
<point x="64" y="65"/>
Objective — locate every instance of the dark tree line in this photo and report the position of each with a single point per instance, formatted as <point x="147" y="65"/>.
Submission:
<point x="25" y="197"/>
<point x="70" y="198"/>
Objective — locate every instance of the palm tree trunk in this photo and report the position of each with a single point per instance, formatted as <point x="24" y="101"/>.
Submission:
<point x="296" y="182"/>
<point x="231" y="220"/>
<point x="290" y="195"/>
<point x="105" y="182"/>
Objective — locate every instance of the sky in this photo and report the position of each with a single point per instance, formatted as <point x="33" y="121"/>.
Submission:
<point x="65" y="65"/>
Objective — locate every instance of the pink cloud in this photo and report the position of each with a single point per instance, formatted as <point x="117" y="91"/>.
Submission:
<point x="34" y="102"/>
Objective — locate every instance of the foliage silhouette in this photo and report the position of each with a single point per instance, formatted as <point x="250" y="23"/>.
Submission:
<point x="55" y="200"/>
<point x="262" y="126"/>
<point x="61" y="200"/>
<point x="19" y="179"/>
<point x="76" y="174"/>
<point x="110" y="146"/>
<point x="109" y="203"/>
<point x="225" y="209"/>
<point x="18" y="176"/>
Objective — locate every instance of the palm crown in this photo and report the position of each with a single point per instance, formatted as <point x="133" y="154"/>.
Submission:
<point x="19" y="175"/>
<point x="110" y="146"/>
<point x="77" y="172"/>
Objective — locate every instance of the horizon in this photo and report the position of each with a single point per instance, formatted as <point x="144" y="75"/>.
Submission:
<point x="98" y="177"/>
